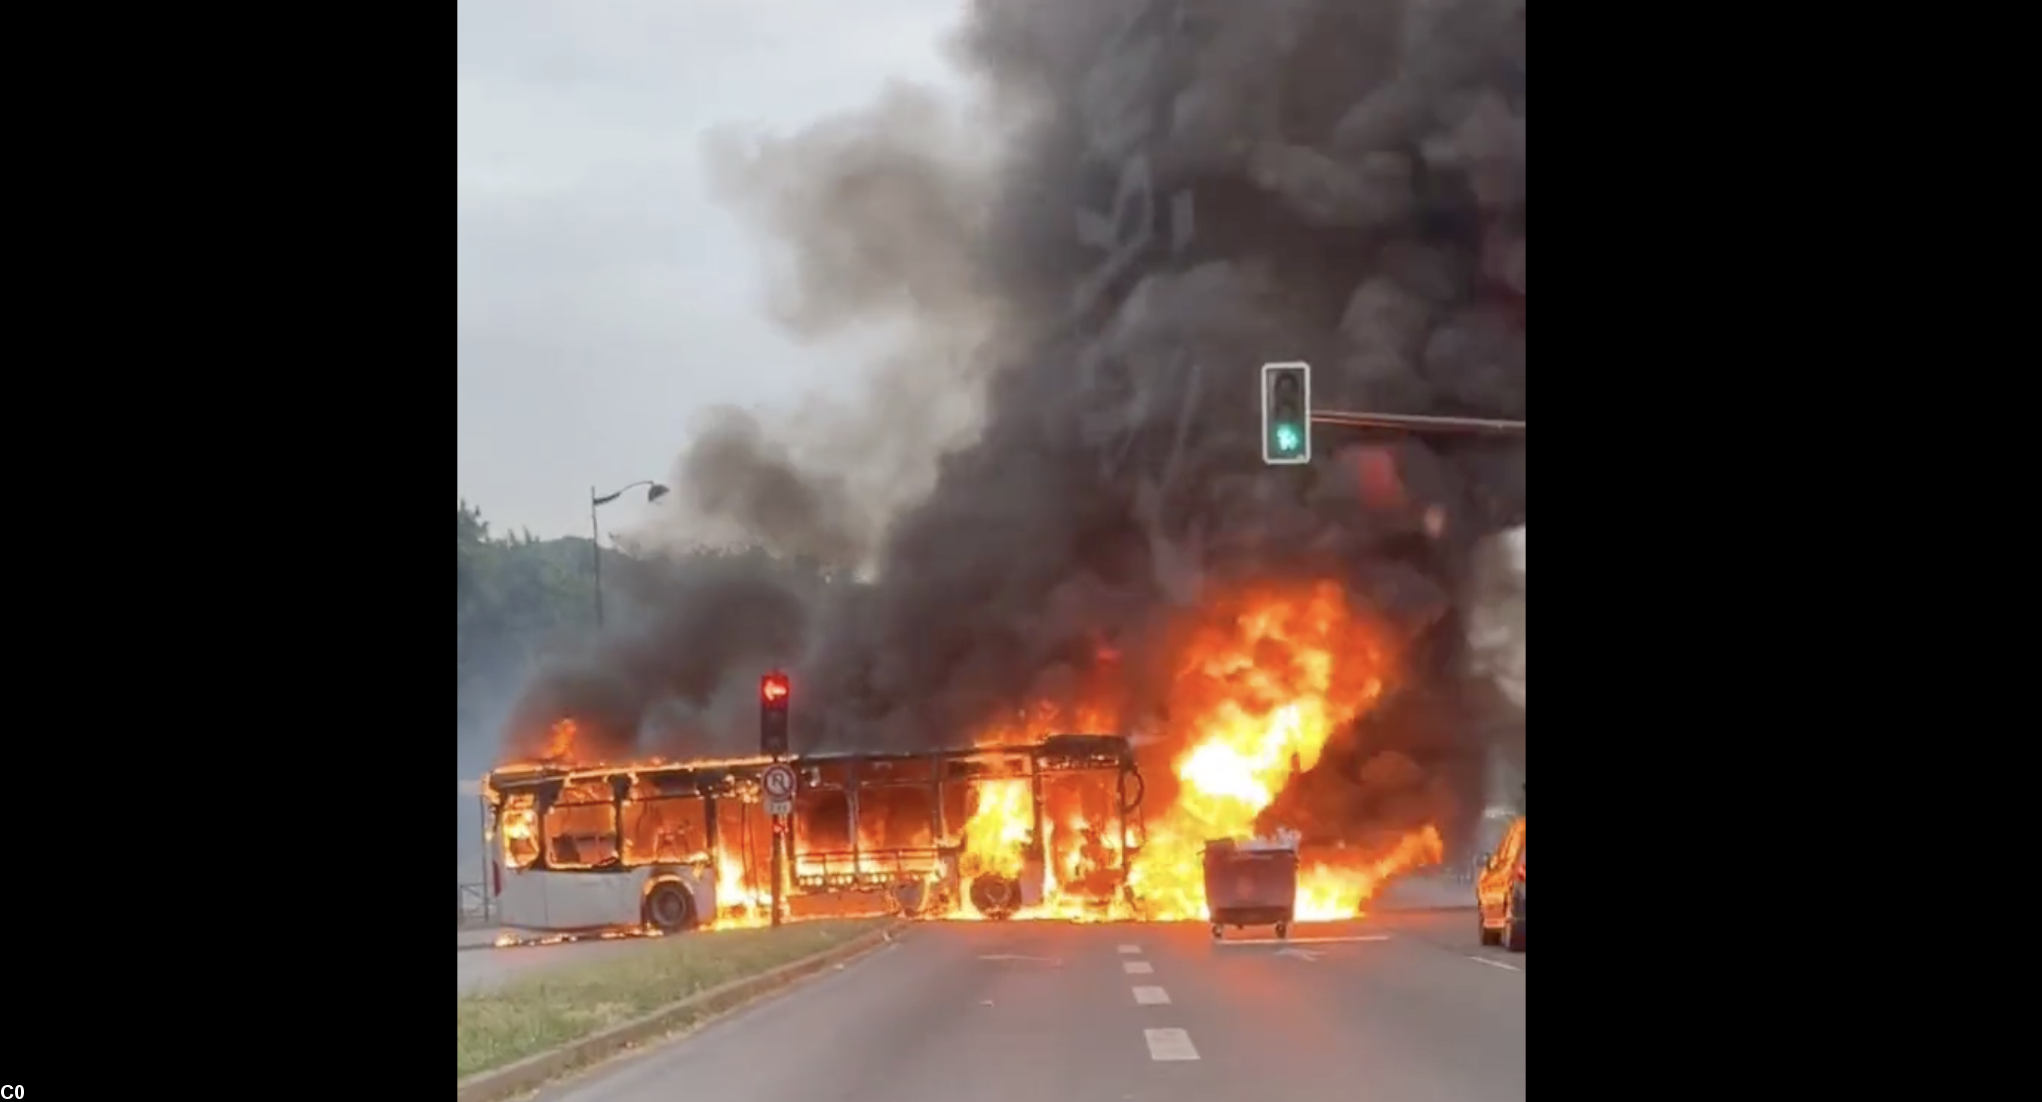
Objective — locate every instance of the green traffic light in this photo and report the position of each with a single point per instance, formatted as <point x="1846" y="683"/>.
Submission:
<point x="1288" y="439"/>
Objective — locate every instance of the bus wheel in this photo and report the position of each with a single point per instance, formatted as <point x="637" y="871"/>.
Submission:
<point x="668" y="908"/>
<point x="995" y="896"/>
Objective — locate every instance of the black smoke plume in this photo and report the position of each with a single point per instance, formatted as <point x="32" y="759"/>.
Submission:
<point x="1076" y="283"/>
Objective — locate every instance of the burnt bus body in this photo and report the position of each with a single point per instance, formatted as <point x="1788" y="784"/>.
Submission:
<point x="669" y="846"/>
<point x="598" y="848"/>
<point x="886" y="831"/>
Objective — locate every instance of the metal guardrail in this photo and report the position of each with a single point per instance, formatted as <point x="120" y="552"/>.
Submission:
<point x="474" y="905"/>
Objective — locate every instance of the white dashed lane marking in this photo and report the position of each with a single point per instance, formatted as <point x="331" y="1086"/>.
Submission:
<point x="1137" y="967"/>
<point x="1151" y="996"/>
<point x="1130" y="950"/>
<point x="1496" y="964"/>
<point x="1170" y="1044"/>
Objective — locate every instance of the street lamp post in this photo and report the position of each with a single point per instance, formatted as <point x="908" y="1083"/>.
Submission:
<point x="653" y="493"/>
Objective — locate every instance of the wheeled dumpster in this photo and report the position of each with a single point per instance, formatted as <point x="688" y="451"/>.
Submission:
<point x="1251" y="882"/>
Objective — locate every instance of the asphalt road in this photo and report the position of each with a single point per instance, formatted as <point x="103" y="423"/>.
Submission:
<point x="1406" y="1008"/>
<point x="1452" y="930"/>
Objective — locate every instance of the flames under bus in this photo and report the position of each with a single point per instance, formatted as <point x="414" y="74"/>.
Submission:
<point x="930" y="833"/>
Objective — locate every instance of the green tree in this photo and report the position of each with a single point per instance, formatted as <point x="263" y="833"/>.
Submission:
<point x="517" y="599"/>
<point x="520" y="599"/>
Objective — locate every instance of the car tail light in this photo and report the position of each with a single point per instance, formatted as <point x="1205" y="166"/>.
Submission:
<point x="496" y="878"/>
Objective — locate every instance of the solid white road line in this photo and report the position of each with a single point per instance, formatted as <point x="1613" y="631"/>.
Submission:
<point x="1130" y="950"/>
<point x="1496" y="964"/>
<point x="1137" y="967"/>
<point x="1170" y="1044"/>
<point x="1151" y="996"/>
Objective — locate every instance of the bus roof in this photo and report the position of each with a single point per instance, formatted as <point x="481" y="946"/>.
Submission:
<point x="534" y="772"/>
<point x="1066" y="748"/>
<point x="1063" y="745"/>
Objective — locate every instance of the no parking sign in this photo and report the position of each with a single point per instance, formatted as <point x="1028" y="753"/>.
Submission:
<point x="779" y="783"/>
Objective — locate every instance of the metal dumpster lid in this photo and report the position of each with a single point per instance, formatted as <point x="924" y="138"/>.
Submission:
<point x="1283" y="840"/>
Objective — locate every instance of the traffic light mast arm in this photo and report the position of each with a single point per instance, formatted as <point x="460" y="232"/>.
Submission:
<point x="1288" y="417"/>
<point x="1417" y="422"/>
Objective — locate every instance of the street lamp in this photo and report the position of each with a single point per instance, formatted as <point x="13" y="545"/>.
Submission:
<point x="654" y="491"/>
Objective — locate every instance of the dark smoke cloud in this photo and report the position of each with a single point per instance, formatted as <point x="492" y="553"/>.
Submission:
<point x="1339" y="181"/>
<point x="733" y="474"/>
<point x="659" y="681"/>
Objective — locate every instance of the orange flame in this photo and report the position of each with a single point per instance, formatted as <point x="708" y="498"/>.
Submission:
<point x="998" y="829"/>
<point x="1265" y="677"/>
<point x="560" y="740"/>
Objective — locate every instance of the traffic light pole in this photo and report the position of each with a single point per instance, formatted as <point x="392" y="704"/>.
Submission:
<point x="775" y="694"/>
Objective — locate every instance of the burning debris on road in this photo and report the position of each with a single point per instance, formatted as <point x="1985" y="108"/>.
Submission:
<point x="1098" y="259"/>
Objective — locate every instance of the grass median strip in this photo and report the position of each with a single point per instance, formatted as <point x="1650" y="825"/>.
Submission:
<point x="532" y="1014"/>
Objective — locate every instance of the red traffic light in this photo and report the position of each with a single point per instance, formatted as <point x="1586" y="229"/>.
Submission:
<point x="773" y="688"/>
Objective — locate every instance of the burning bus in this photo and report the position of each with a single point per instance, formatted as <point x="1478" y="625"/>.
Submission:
<point x="1022" y="823"/>
<point x="988" y="832"/>
<point x="664" y="847"/>
<point x="984" y="832"/>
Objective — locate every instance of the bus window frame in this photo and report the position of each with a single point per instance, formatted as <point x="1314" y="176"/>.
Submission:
<point x="606" y="784"/>
<point x="706" y="826"/>
<point x="525" y="804"/>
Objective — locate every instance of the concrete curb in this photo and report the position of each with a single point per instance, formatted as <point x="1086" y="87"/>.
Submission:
<point x="532" y="1072"/>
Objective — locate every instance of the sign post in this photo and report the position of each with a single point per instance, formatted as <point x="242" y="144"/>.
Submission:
<point x="779" y="781"/>
<point x="775" y="693"/>
<point x="779" y="867"/>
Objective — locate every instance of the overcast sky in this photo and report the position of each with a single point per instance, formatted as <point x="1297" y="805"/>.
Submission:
<point x="603" y="300"/>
